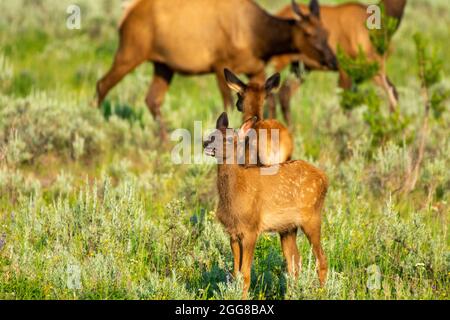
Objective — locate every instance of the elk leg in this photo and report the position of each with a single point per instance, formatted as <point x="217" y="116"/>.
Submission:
<point x="394" y="89"/>
<point x="287" y="90"/>
<point x="383" y="81"/>
<point x="237" y="252"/>
<point x="119" y="69"/>
<point x="312" y="232"/>
<point x="392" y="93"/>
<point x="225" y="91"/>
<point x="155" y="97"/>
<point x="344" y="80"/>
<point x="127" y="58"/>
<point x="290" y="251"/>
<point x="248" y="244"/>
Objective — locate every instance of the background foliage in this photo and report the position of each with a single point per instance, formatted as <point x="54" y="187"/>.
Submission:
<point x="93" y="191"/>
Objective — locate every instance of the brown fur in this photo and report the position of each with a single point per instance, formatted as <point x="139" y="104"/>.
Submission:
<point x="395" y="8"/>
<point x="253" y="98"/>
<point x="271" y="155"/>
<point x="346" y="25"/>
<point x="251" y="203"/>
<point x="251" y="104"/>
<point x="128" y="8"/>
<point x="200" y="37"/>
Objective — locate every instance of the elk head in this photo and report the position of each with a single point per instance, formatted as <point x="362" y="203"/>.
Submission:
<point x="226" y="144"/>
<point x="251" y="96"/>
<point x="312" y="37"/>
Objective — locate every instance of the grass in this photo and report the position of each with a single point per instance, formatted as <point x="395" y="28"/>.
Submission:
<point x="91" y="207"/>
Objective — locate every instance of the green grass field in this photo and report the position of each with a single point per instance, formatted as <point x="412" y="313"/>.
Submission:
<point x="92" y="207"/>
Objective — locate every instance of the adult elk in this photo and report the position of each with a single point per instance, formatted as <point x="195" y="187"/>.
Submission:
<point x="273" y="141"/>
<point x="346" y="24"/>
<point x="205" y="36"/>
<point x="251" y="203"/>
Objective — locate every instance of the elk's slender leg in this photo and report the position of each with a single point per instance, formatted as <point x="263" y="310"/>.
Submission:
<point x="394" y="88"/>
<point x="312" y="232"/>
<point x="124" y="62"/>
<point x="225" y="91"/>
<point x="383" y="81"/>
<point x="344" y="80"/>
<point x="286" y="92"/>
<point x="236" y="250"/>
<point x="155" y="97"/>
<point x="248" y="249"/>
<point x="290" y="251"/>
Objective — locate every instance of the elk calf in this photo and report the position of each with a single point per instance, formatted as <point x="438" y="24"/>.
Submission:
<point x="251" y="203"/>
<point x="250" y="102"/>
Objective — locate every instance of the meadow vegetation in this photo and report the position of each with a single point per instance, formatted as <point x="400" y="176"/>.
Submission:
<point x="92" y="207"/>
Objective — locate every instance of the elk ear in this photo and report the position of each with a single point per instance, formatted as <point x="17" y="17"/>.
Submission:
<point x="314" y="8"/>
<point x="272" y="83"/>
<point x="246" y="127"/>
<point x="222" y="122"/>
<point x="233" y="82"/>
<point x="298" y="12"/>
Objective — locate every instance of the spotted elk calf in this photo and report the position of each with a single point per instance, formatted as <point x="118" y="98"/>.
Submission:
<point x="251" y="203"/>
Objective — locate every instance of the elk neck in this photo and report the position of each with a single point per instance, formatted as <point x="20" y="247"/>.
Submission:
<point x="226" y="171"/>
<point x="274" y="36"/>
<point x="227" y="178"/>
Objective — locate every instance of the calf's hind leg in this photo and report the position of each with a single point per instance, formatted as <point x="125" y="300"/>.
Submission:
<point x="237" y="255"/>
<point x="312" y="230"/>
<point x="290" y="251"/>
<point x="155" y="97"/>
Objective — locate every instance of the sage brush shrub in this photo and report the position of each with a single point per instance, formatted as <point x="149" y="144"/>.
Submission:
<point x="39" y="124"/>
<point x="381" y="37"/>
<point x="430" y="74"/>
<point x="430" y="66"/>
<point x="382" y="127"/>
<point x="359" y="69"/>
<point x="6" y="72"/>
<point x="14" y="185"/>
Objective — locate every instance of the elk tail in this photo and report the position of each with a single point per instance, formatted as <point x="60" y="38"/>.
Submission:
<point x="395" y="9"/>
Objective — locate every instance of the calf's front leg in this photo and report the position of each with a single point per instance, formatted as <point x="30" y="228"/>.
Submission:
<point x="248" y="249"/>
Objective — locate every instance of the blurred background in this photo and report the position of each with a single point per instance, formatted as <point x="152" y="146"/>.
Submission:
<point x="93" y="191"/>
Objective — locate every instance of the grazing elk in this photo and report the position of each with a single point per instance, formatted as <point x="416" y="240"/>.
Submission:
<point x="251" y="203"/>
<point x="346" y="24"/>
<point x="205" y="36"/>
<point x="250" y="102"/>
